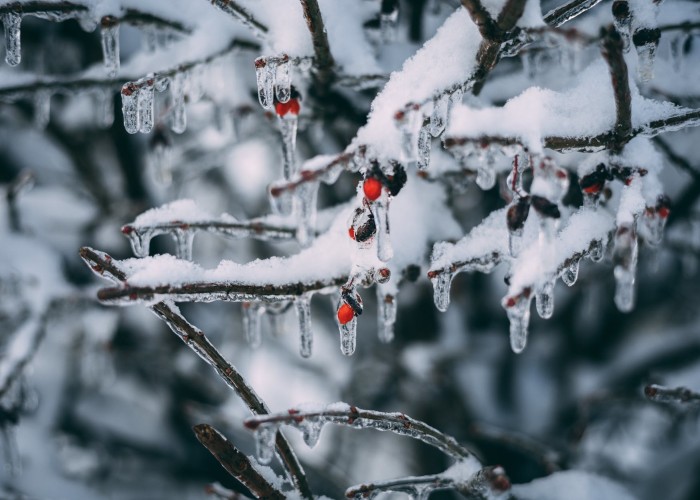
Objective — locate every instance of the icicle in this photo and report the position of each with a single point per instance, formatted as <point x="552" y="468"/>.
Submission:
<point x="140" y="240"/>
<point x="441" y="289"/>
<point x="130" y="97"/>
<point x="42" y="108"/>
<point x="110" y="44"/>
<point x="380" y="211"/>
<point x="282" y="202"/>
<point x="438" y="118"/>
<point x="13" y="460"/>
<point x="424" y="144"/>
<point x="518" y="311"/>
<point x="655" y="222"/>
<point x="12" y="22"/>
<point x="386" y="307"/>
<point x="161" y="158"/>
<point x="544" y="300"/>
<point x="88" y="23"/>
<point x="265" y="75"/>
<point x="252" y="320"/>
<point x="178" y="118"/>
<point x="409" y="122"/>
<point x="104" y="109"/>
<point x="183" y="243"/>
<point x="625" y="257"/>
<point x="677" y="47"/>
<point x="387" y="24"/>
<point x="288" y="129"/>
<point x="570" y="274"/>
<point x="645" y="65"/>
<point x="421" y="492"/>
<point x="531" y="63"/>
<point x="146" y="102"/>
<point x="307" y="195"/>
<point x="310" y="431"/>
<point x="348" y="337"/>
<point x="597" y="251"/>
<point x="306" y="340"/>
<point x="283" y="80"/>
<point x="265" y="436"/>
<point x="162" y="83"/>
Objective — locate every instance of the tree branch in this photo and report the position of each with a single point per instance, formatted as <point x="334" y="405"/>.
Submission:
<point x="568" y="11"/>
<point x="352" y="416"/>
<point x="104" y="266"/>
<point x="663" y="394"/>
<point x="236" y="463"/>
<point x="487" y="26"/>
<point x="250" y="229"/>
<point x="323" y="59"/>
<point x="240" y="13"/>
<point x="612" y="50"/>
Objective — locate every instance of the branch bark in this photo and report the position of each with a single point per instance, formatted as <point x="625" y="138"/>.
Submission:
<point x="240" y="13"/>
<point x="323" y="60"/>
<point x="612" y="50"/>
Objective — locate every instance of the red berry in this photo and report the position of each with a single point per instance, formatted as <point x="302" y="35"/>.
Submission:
<point x="372" y="188"/>
<point x="345" y="313"/>
<point x="664" y="212"/>
<point x="351" y="233"/>
<point x="291" y="106"/>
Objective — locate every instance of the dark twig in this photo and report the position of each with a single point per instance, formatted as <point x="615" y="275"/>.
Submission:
<point x="323" y="60"/>
<point x="663" y="394"/>
<point x="236" y="463"/>
<point x="240" y="13"/>
<point x="487" y="26"/>
<point x="568" y="11"/>
<point x="612" y="49"/>
<point x="104" y="266"/>
<point x="358" y="418"/>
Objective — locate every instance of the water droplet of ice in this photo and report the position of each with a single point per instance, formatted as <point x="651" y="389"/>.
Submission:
<point x="486" y="177"/>
<point x="265" y="436"/>
<point x="110" y="45"/>
<point x="380" y="211"/>
<point x="348" y="337"/>
<point x="310" y="431"/>
<point x="12" y="22"/>
<point x="545" y="300"/>
<point x="518" y="313"/>
<point x="570" y="274"/>
<point x="441" y="289"/>
<point x="306" y="339"/>
<point x="597" y="251"/>
<point x="252" y="322"/>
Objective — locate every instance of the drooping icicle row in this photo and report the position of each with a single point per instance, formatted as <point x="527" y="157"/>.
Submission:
<point x="273" y="78"/>
<point x="12" y="22"/>
<point x="109" y="34"/>
<point x="570" y="273"/>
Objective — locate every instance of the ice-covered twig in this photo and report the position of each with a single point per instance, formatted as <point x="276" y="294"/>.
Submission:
<point x="311" y="175"/>
<point x="240" y="13"/>
<point x="481" y="485"/>
<point x="235" y="462"/>
<point x="104" y="266"/>
<point x="568" y="11"/>
<point x="358" y="418"/>
<point x="663" y="394"/>
<point x="323" y="59"/>
<point x="612" y="49"/>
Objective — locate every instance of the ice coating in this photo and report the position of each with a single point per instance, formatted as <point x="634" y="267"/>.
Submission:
<point x="306" y="339"/>
<point x="130" y="108"/>
<point x="12" y="24"/>
<point x="146" y="102"/>
<point x="109" y="34"/>
<point x="178" y="116"/>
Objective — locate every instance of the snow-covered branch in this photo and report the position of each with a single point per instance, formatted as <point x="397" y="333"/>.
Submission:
<point x="663" y="394"/>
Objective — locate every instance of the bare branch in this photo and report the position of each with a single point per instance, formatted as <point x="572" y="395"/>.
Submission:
<point x="663" y="394"/>
<point x="104" y="266"/>
<point x="236" y="463"/>
<point x="240" y="13"/>
<point x="487" y="26"/>
<point x="323" y="59"/>
<point x="612" y="49"/>
<point x="352" y="416"/>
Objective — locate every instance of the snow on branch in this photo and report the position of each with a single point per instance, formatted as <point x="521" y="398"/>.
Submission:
<point x="236" y="463"/>
<point x="311" y="421"/>
<point x="663" y="394"/>
<point x="104" y="266"/>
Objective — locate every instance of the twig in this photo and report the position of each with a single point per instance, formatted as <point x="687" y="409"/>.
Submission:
<point x="677" y="159"/>
<point x="104" y="266"/>
<point x="612" y="49"/>
<point x="663" y="394"/>
<point x="483" y="20"/>
<point x="352" y="416"/>
<point x="249" y="229"/>
<point x="236" y="463"/>
<point x="304" y="176"/>
<point x="240" y="13"/>
<point x="568" y="11"/>
<point x="323" y="59"/>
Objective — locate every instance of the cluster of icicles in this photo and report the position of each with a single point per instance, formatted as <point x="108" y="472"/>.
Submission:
<point x="550" y="184"/>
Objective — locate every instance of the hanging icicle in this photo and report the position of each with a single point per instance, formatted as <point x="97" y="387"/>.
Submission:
<point x="104" y="108"/>
<point x="146" y="104"/>
<point x="178" y="117"/>
<point x="12" y="22"/>
<point x="109" y="32"/>
<point x="283" y="80"/>
<point x="265" y="76"/>
<point x="130" y="98"/>
<point x="386" y="315"/>
<point x="625" y="260"/>
<point x="252" y="323"/>
<point x="518" y="311"/>
<point x="42" y="108"/>
<point x="306" y="340"/>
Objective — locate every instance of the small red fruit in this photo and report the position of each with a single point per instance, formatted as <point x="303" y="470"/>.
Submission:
<point x="664" y="212"/>
<point x="351" y="233"/>
<point x="345" y="313"/>
<point x="372" y="188"/>
<point x="291" y="106"/>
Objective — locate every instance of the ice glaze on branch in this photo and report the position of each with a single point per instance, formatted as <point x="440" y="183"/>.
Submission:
<point x="568" y="11"/>
<point x="323" y="59"/>
<point x="612" y="49"/>
<point x="235" y="462"/>
<point x="104" y="266"/>
<point x="240" y="13"/>
<point x="663" y="394"/>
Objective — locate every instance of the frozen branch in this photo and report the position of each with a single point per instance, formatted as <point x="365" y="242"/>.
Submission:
<point x="256" y="229"/>
<point x="236" y="463"/>
<point x="358" y="418"/>
<point x="612" y="49"/>
<point x="663" y="394"/>
<point x="306" y="175"/>
<point x="104" y="266"/>
<point x="323" y="59"/>
<point x="240" y="13"/>
<point x="569" y="11"/>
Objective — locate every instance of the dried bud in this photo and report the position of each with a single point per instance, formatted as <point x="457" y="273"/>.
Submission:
<point x="517" y="214"/>
<point x="545" y="207"/>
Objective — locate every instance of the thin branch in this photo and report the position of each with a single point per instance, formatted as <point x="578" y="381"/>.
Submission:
<point x="663" y="394"/>
<point x="240" y="13"/>
<point x="612" y="49"/>
<point x="323" y="59"/>
<point x="487" y="26"/>
<point x="250" y="229"/>
<point x="104" y="266"/>
<point x="304" y="176"/>
<point x="568" y="11"/>
<point x="677" y="159"/>
<point x="236" y="463"/>
<point x="42" y="7"/>
<point x="352" y="416"/>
